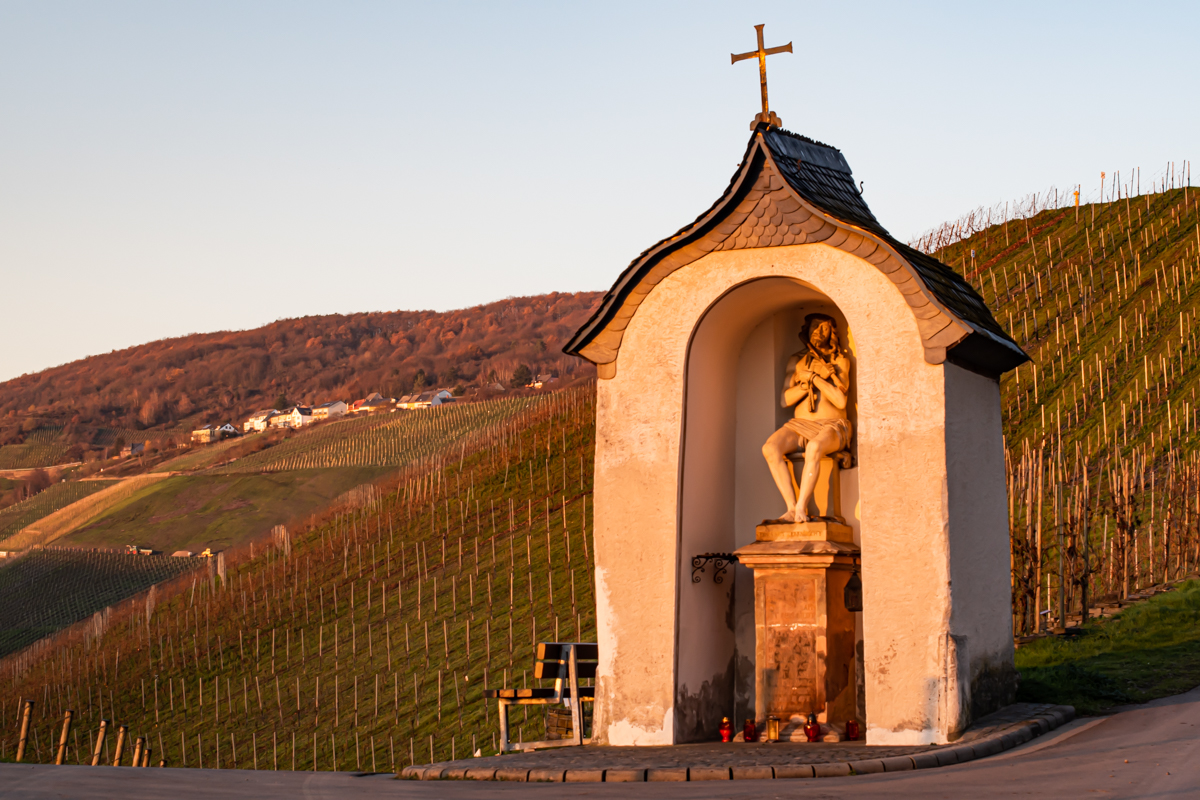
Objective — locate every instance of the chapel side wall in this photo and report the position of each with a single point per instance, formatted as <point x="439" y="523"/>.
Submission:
<point x="981" y="620"/>
<point x="637" y="464"/>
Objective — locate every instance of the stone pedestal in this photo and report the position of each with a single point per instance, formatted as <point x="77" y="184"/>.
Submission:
<point x="804" y="634"/>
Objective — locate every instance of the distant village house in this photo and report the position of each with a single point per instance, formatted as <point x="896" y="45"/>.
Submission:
<point x="372" y="403"/>
<point x="206" y="435"/>
<point x="435" y="397"/>
<point x="133" y="449"/>
<point x="329" y="410"/>
<point x="295" y="417"/>
<point x="213" y="433"/>
<point x="258" y="421"/>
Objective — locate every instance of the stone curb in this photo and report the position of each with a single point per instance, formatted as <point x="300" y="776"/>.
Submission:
<point x="991" y="745"/>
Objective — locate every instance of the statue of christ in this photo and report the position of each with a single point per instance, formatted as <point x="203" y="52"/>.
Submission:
<point x="817" y="383"/>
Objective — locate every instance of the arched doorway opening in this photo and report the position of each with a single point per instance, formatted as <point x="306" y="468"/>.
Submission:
<point x="734" y="377"/>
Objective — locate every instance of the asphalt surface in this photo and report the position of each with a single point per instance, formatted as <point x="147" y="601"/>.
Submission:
<point x="1150" y="751"/>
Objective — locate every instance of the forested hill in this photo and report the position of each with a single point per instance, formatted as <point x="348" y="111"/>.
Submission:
<point x="228" y="375"/>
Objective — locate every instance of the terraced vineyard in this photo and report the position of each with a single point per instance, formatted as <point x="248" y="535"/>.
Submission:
<point x="384" y="440"/>
<point x="47" y="434"/>
<point x="33" y="455"/>
<point x="46" y="590"/>
<point x="48" y="445"/>
<point x="198" y="457"/>
<point x="362" y="641"/>
<point x="60" y="495"/>
<point x="66" y="519"/>
<point x="108" y="437"/>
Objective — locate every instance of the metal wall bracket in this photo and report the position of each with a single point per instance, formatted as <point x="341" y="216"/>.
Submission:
<point x="720" y="563"/>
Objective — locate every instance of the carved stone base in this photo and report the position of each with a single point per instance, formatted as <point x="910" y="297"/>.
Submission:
<point x="804" y="654"/>
<point x="816" y="531"/>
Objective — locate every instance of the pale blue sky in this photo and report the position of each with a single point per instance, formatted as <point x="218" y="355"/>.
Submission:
<point x="171" y="167"/>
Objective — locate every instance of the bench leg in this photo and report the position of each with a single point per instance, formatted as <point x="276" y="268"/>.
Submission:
<point x="576" y="721"/>
<point x="503" y="726"/>
<point x="576" y="707"/>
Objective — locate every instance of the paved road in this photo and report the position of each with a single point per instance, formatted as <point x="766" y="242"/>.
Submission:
<point x="1150" y="751"/>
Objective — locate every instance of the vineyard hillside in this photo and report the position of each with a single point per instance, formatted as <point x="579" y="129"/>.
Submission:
<point x="46" y="590"/>
<point x="1101" y="425"/>
<point x="234" y="492"/>
<point x="382" y="440"/>
<point x="48" y="444"/>
<point x="299" y="475"/>
<point x="361" y="640"/>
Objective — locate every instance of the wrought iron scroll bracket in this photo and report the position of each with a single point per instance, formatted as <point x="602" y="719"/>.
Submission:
<point x="720" y="565"/>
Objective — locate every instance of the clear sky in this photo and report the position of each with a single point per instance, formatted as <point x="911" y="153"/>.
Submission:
<point x="176" y="167"/>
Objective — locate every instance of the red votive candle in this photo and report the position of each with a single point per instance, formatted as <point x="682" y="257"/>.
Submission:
<point x="812" y="728"/>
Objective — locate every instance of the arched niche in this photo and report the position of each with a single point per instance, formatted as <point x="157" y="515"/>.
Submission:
<point x="734" y="376"/>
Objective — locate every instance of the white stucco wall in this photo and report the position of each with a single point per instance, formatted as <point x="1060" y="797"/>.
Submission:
<point x="980" y="565"/>
<point x="650" y="521"/>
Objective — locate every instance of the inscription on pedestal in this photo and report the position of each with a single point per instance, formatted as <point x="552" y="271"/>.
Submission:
<point x="790" y="630"/>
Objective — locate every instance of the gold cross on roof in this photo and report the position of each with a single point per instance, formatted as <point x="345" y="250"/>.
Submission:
<point x="761" y="54"/>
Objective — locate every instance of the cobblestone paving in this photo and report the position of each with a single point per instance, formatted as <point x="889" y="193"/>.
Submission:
<point x="707" y="754"/>
<point x="591" y="758"/>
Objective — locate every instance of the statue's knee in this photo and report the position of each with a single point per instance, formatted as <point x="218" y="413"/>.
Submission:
<point x="771" y="451"/>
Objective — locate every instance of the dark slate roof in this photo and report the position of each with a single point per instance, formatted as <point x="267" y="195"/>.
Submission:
<point x="821" y="175"/>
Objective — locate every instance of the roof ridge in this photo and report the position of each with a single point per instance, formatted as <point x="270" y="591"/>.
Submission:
<point x="801" y="137"/>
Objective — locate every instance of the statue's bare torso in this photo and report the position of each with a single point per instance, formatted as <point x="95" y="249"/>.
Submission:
<point x="817" y="384"/>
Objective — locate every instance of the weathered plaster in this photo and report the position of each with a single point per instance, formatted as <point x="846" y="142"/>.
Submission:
<point x="629" y="734"/>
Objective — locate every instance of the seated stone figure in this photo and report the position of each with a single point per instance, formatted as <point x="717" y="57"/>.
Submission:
<point x="817" y="383"/>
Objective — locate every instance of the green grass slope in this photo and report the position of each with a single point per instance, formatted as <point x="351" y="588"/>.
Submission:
<point x="1150" y="650"/>
<point x="367" y="642"/>
<point x="219" y="511"/>
<point x="200" y="457"/>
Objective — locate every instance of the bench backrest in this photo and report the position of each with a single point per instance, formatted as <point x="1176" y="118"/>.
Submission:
<point x="553" y="659"/>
